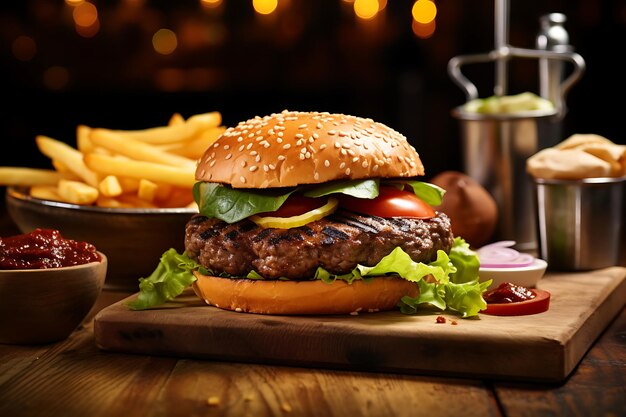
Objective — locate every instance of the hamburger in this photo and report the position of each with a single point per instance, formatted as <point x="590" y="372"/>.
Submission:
<point x="317" y="213"/>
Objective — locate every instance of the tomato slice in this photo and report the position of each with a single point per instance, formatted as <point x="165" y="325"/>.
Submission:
<point x="296" y="205"/>
<point x="391" y="202"/>
<point x="538" y="304"/>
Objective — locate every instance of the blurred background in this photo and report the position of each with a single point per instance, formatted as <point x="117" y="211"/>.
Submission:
<point x="131" y="64"/>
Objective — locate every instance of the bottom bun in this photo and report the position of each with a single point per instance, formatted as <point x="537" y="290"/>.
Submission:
<point x="303" y="297"/>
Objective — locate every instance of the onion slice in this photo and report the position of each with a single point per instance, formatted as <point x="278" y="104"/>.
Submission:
<point x="501" y="255"/>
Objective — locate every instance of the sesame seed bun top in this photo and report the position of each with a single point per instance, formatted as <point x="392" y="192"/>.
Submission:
<point x="293" y="148"/>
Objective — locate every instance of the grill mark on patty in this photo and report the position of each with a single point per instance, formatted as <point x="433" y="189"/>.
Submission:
<point x="213" y="230"/>
<point x="286" y="237"/>
<point x="246" y="227"/>
<point x="262" y="235"/>
<point x="357" y="223"/>
<point x="307" y="230"/>
<point x="333" y="233"/>
<point x="197" y="219"/>
<point x="231" y="235"/>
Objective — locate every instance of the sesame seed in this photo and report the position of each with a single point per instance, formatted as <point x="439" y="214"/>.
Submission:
<point x="272" y="166"/>
<point x="249" y="146"/>
<point x="319" y="125"/>
<point x="347" y="171"/>
<point x="342" y="165"/>
<point x="202" y="172"/>
<point x="243" y="179"/>
<point x="238" y="309"/>
<point x="299" y="135"/>
<point x="226" y="147"/>
<point x="258" y="158"/>
<point x="302" y="156"/>
<point x="322" y="146"/>
<point x="287" y="146"/>
<point x="365" y="164"/>
<point x="230" y="155"/>
<point x="351" y="152"/>
<point x="280" y="134"/>
<point x="346" y="145"/>
<point x="342" y="133"/>
<point x="266" y="168"/>
<point x="299" y="142"/>
<point x="251" y="135"/>
<point x="302" y="126"/>
<point x="241" y="148"/>
<point x="311" y="139"/>
<point x="315" y="135"/>
<point x="281" y="158"/>
<point x="316" y="176"/>
<point x="375" y="168"/>
<point x="303" y="150"/>
<point x="215" y="145"/>
<point x="212" y="163"/>
<point x="266" y="145"/>
<point x="307" y="155"/>
<point x="332" y="132"/>
<point x="343" y="152"/>
<point x="327" y="163"/>
<point x="356" y="158"/>
<point x="279" y="140"/>
<point x="243" y="164"/>
<point x="253" y="153"/>
<point x="253" y="168"/>
<point x="337" y="145"/>
<point x="239" y="139"/>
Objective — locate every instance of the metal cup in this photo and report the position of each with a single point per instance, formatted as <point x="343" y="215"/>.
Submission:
<point x="580" y="223"/>
<point x="495" y="149"/>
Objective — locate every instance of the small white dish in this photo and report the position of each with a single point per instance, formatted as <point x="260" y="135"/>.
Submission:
<point x="525" y="276"/>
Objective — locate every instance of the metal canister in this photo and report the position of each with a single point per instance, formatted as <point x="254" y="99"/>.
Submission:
<point x="495" y="149"/>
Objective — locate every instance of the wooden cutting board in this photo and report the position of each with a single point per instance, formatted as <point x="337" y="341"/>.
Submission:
<point x="542" y="347"/>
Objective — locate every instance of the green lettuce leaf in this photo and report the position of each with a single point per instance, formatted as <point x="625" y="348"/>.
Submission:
<point x="170" y="278"/>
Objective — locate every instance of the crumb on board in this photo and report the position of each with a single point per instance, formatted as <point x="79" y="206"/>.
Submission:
<point x="213" y="401"/>
<point x="286" y="408"/>
<point x="440" y="319"/>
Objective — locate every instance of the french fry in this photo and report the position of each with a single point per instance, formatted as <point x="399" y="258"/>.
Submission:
<point x="136" y="150"/>
<point x="179" y="197"/>
<point x="129" y="185"/>
<point x="176" y="133"/>
<point x="110" y="186"/>
<point x="107" y="165"/>
<point x="135" y="201"/>
<point x="194" y="149"/>
<point x="176" y="119"/>
<point x="77" y="192"/>
<point x="45" y="192"/>
<point x="83" y="140"/>
<point x="28" y="176"/>
<point x="147" y="190"/>
<point x="68" y="156"/>
<point x="111" y="202"/>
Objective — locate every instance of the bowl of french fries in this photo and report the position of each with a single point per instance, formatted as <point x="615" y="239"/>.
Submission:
<point x="129" y="192"/>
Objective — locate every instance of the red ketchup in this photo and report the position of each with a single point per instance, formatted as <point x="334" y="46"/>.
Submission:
<point x="44" y="248"/>
<point x="508" y="293"/>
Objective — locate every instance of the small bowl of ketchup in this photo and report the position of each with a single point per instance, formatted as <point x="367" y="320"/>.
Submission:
<point x="48" y="285"/>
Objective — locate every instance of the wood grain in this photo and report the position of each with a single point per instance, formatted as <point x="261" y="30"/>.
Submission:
<point x="543" y="347"/>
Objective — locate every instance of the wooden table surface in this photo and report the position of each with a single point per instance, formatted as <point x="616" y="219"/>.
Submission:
<point x="74" y="378"/>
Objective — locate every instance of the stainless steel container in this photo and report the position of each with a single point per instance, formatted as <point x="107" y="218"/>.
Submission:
<point x="580" y="223"/>
<point x="495" y="149"/>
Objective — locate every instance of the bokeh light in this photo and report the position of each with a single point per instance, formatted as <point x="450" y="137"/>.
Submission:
<point x="88" y="31"/>
<point x="366" y="9"/>
<point x="56" y="78"/>
<point x="264" y="6"/>
<point x="24" y="48"/>
<point x="85" y="14"/>
<point x="210" y="4"/>
<point x="164" y="41"/>
<point x="424" y="30"/>
<point x="424" y="11"/>
<point x="74" y="2"/>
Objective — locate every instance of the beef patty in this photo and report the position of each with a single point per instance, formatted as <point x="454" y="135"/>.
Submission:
<point x="337" y="243"/>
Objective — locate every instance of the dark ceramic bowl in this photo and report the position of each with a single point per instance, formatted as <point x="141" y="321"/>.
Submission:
<point x="47" y="305"/>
